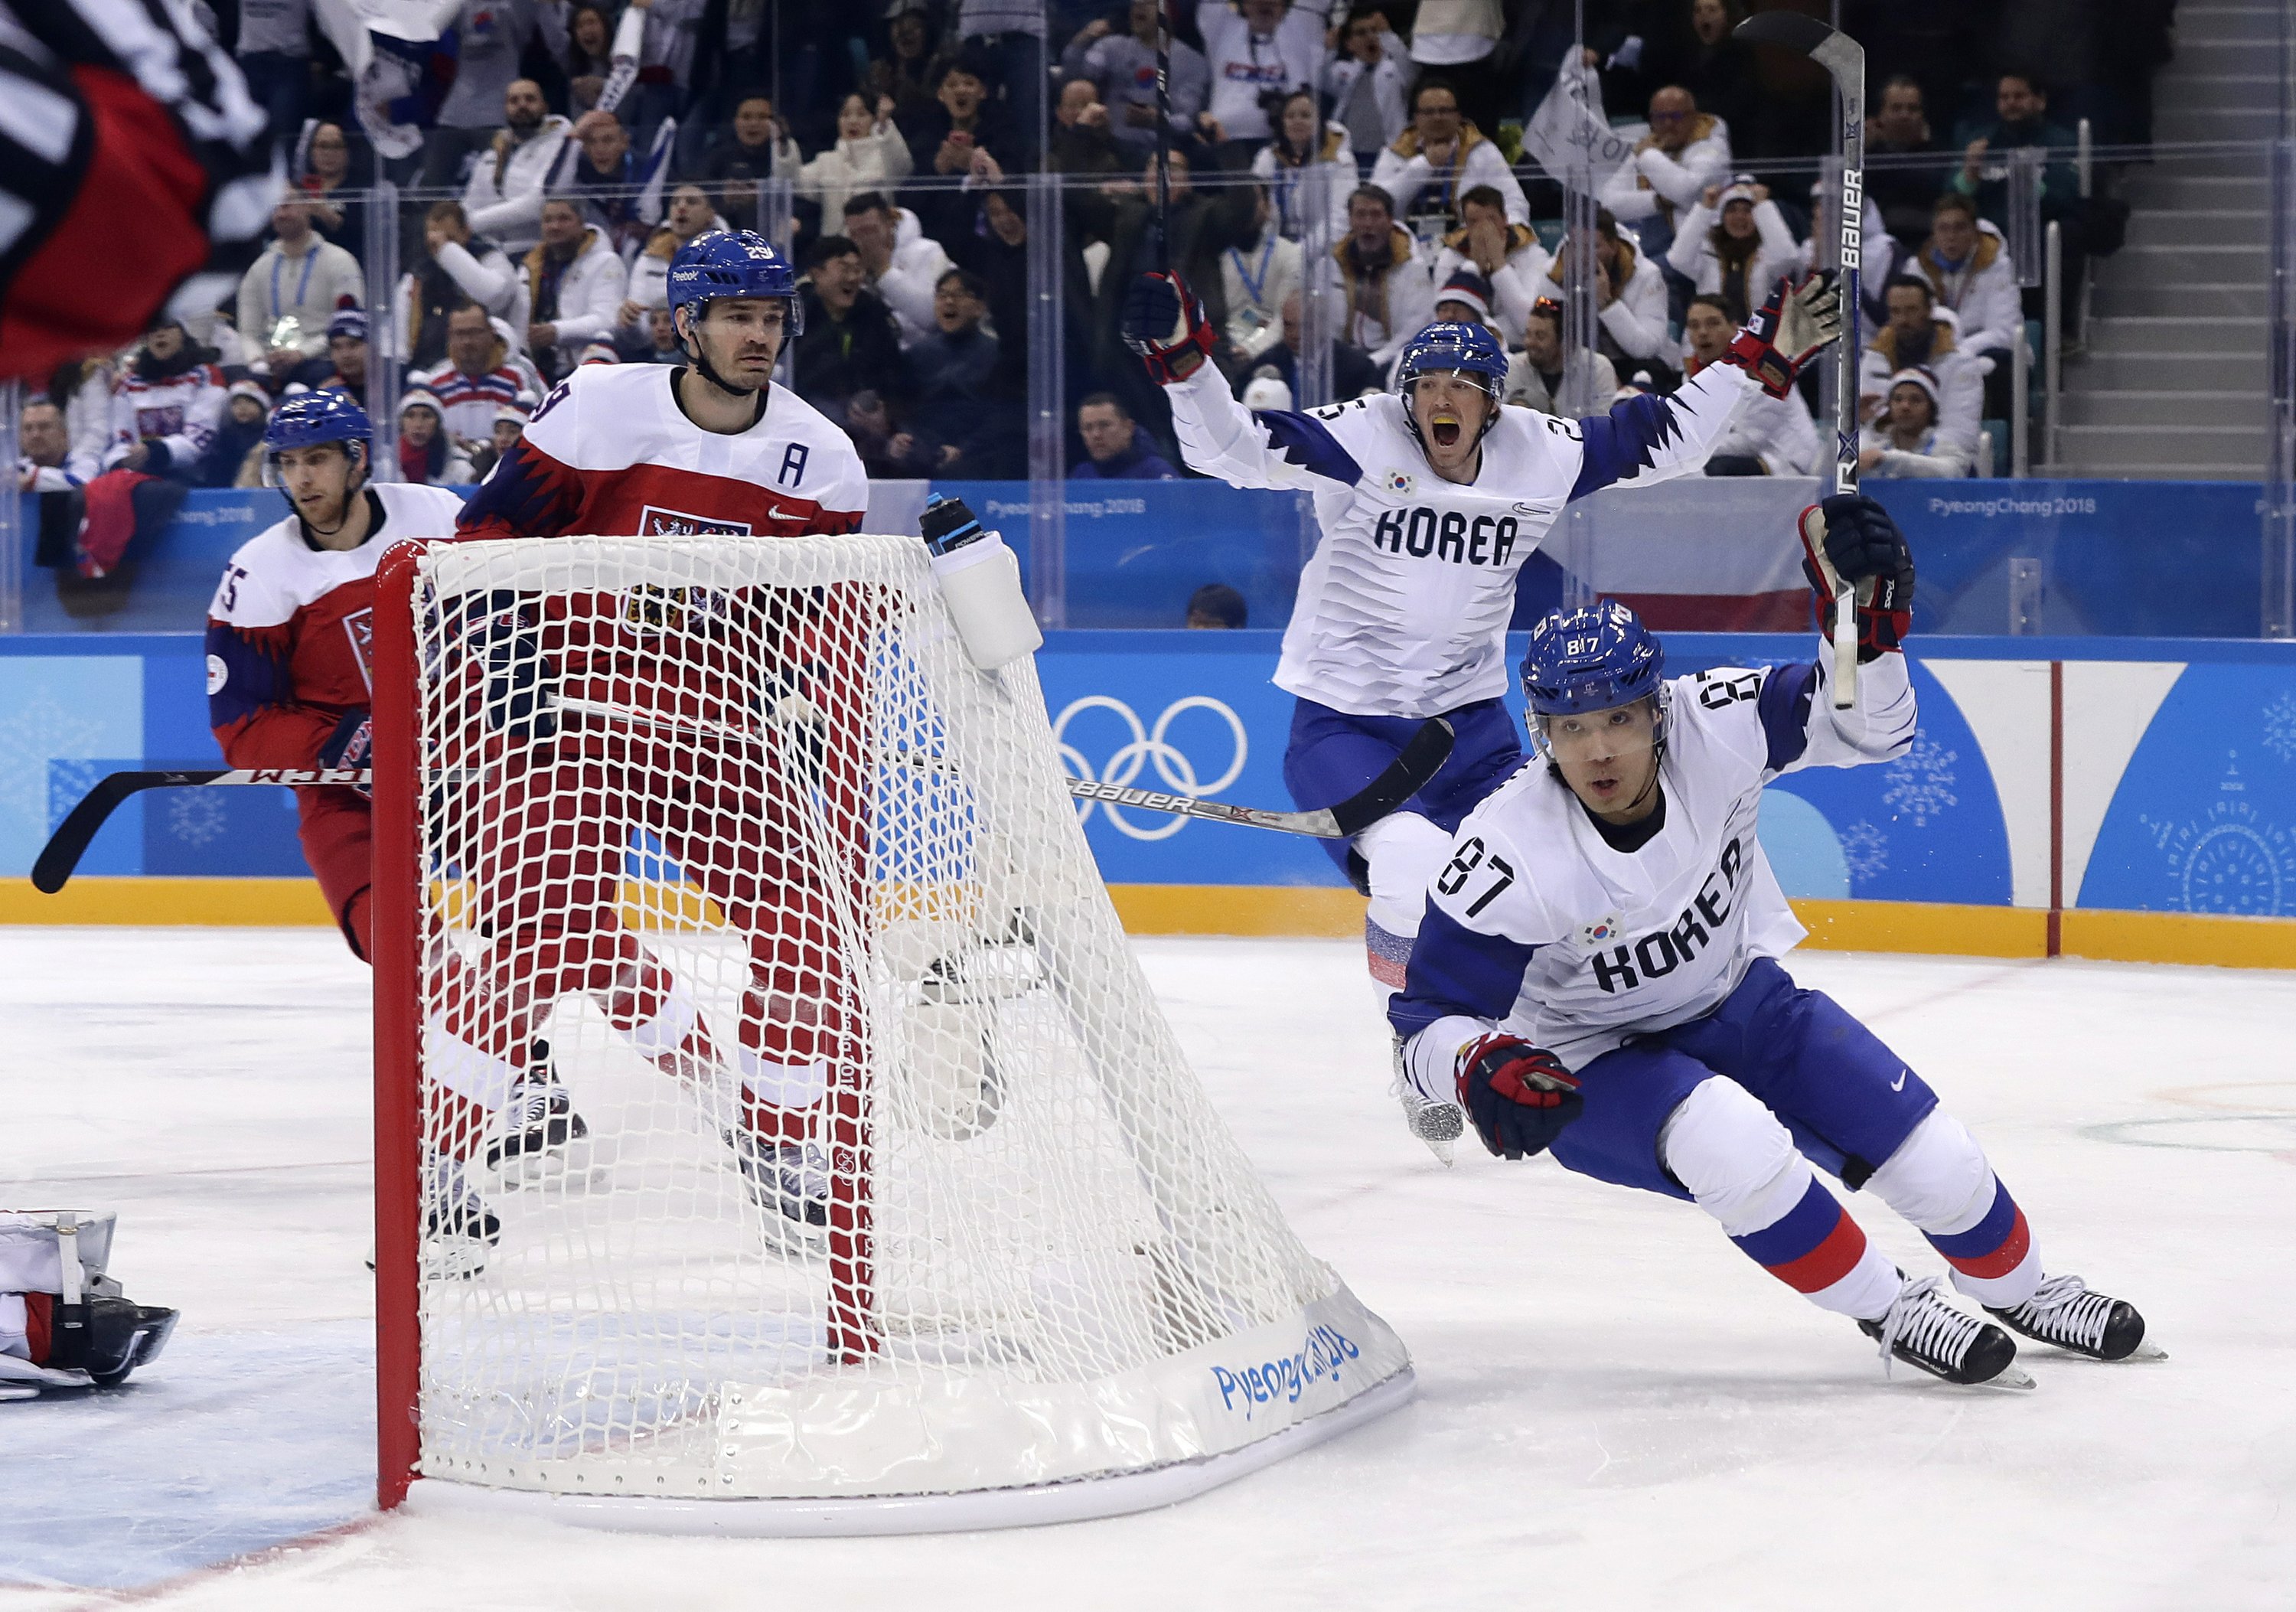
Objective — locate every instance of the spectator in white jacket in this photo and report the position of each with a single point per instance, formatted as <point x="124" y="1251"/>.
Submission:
<point x="1441" y="157"/>
<point x="1685" y="150"/>
<point x="1258" y="274"/>
<point x="1305" y="150"/>
<point x="899" y="262"/>
<point x="1966" y="262"/>
<point x="1508" y="256"/>
<point x="166" y="404"/>
<point x="574" y="282"/>
<point x="1767" y="436"/>
<point x="1911" y="437"/>
<point x="1630" y="298"/>
<point x="1735" y="244"/>
<point x="1390" y="298"/>
<point x="463" y="268"/>
<point x="1921" y="334"/>
<point x="1366" y="82"/>
<point x="1256" y="48"/>
<point x="690" y="214"/>
<point x="870" y="155"/>
<point x="301" y="276"/>
<point x="1540" y="376"/>
<point x="503" y="197"/>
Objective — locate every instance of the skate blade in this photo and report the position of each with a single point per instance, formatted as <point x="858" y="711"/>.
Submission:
<point x="571" y="1168"/>
<point x="2146" y="1351"/>
<point x="2013" y="1379"/>
<point x="453" y="1259"/>
<point x="1443" y="1152"/>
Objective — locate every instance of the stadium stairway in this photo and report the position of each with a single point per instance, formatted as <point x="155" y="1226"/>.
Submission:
<point x="2173" y="384"/>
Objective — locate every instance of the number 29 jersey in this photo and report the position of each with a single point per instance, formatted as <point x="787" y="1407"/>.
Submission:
<point x="1540" y="925"/>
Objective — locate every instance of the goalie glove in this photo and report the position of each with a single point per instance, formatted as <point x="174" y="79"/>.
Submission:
<point x="1166" y="326"/>
<point x="1850" y="538"/>
<point x="1520" y="1097"/>
<point x="1787" y="332"/>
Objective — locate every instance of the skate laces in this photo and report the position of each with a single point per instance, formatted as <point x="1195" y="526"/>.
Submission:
<point x="1926" y="1325"/>
<point x="531" y="1103"/>
<point x="2064" y="1307"/>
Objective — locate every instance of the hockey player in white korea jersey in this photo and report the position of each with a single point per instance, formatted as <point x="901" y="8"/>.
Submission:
<point x="1598" y="975"/>
<point x="1430" y="502"/>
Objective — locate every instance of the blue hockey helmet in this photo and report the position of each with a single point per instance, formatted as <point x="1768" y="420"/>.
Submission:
<point x="1590" y="659"/>
<point x="1468" y="350"/>
<point x="733" y="263"/>
<point x="315" y="418"/>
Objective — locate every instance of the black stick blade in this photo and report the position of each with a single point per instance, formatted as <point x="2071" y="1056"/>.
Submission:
<point x="1795" y="30"/>
<point x="1409" y="773"/>
<point x="65" y="847"/>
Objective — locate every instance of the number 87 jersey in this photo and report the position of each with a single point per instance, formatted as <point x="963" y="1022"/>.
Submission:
<point x="1539" y="924"/>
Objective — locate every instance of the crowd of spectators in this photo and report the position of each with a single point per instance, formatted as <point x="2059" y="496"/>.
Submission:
<point x="1364" y="154"/>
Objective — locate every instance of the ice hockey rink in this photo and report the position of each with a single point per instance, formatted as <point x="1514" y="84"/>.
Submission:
<point x="1615" y="1408"/>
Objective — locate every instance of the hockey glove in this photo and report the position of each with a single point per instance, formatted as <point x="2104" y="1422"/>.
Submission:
<point x="1787" y="332"/>
<point x="1519" y="1096"/>
<point x="1863" y="545"/>
<point x="351" y="744"/>
<point x="1166" y="326"/>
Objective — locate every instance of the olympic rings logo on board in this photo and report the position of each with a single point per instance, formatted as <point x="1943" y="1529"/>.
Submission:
<point x="1148" y="747"/>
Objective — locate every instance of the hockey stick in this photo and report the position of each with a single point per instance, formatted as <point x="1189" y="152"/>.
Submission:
<point x="65" y="847"/>
<point x="1845" y="59"/>
<point x="1421" y="758"/>
<point x="1163" y="136"/>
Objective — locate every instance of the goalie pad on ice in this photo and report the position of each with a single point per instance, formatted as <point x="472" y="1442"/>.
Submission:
<point x="57" y="1304"/>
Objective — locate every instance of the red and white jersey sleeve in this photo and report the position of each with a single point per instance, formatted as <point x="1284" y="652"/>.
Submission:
<point x="609" y="453"/>
<point x="290" y="630"/>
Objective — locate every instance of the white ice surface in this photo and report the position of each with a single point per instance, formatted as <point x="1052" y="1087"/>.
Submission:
<point x="1616" y="1409"/>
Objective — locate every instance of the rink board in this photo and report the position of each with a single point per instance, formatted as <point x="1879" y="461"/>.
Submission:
<point x="2081" y="774"/>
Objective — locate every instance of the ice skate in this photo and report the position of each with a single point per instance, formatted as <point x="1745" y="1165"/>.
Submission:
<point x="1436" y="1124"/>
<point x="542" y="1123"/>
<point x="1924" y="1331"/>
<point x="459" y="1231"/>
<point x="788" y="1180"/>
<point x="2066" y="1314"/>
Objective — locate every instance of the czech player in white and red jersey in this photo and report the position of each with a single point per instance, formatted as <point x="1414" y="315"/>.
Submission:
<point x="708" y="447"/>
<point x="289" y="685"/>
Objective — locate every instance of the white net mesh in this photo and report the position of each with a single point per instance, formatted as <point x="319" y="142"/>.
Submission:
<point x="795" y="1121"/>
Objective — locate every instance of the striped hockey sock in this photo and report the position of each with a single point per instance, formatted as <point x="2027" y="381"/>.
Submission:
<point x="1994" y="1259"/>
<point x="1818" y="1251"/>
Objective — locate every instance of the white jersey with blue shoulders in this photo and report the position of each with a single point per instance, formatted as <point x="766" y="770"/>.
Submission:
<point x="1403" y="607"/>
<point x="1540" y="927"/>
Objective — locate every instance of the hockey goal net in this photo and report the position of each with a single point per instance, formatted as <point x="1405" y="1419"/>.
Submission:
<point x="768" y="1107"/>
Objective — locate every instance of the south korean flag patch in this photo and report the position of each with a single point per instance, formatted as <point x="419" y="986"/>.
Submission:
<point x="1602" y="931"/>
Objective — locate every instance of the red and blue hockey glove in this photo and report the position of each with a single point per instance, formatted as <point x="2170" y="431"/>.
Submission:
<point x="1787" y="332"/>
<point x="1166" y="326"/>
<point x="1519" y="1096"/>
<point x="1864" y="546"/>
<point x="351" y="744"/>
